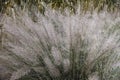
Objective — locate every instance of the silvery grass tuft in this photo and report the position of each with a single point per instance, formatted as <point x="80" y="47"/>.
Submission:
<point x="61" y="46"/>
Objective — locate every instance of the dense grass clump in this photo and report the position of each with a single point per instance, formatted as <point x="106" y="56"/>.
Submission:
<point x="39" y="42"/>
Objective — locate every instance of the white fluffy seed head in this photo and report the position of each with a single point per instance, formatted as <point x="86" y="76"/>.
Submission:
<point x="54" y="35"/>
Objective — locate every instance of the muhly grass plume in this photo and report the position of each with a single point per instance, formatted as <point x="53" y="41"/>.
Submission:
<point x="61" y="46"/>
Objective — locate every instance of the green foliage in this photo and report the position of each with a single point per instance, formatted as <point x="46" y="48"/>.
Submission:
<point x="86" y="5"/>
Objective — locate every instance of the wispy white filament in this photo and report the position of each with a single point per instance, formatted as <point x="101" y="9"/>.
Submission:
<point x="54" y="35"/>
